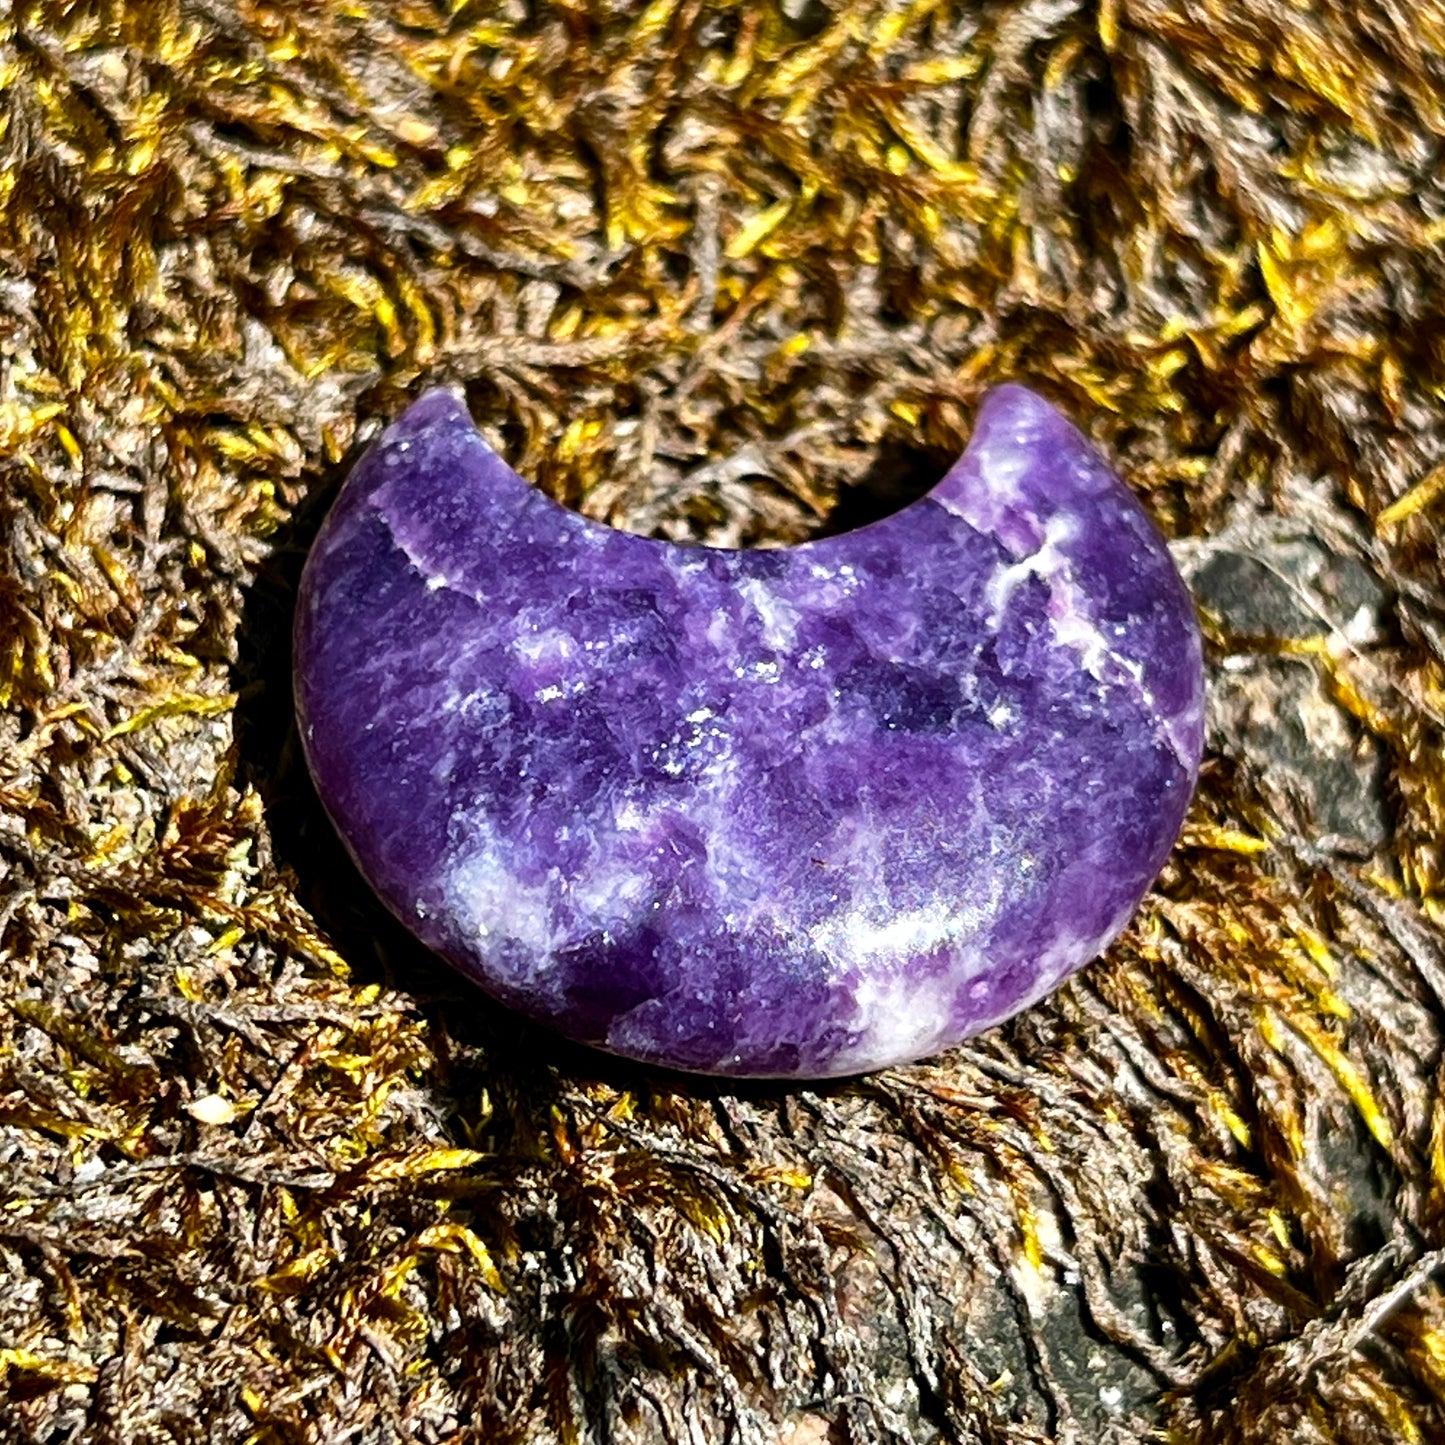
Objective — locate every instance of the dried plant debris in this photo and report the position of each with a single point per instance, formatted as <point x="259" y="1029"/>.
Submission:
<point x="738" y="273"/>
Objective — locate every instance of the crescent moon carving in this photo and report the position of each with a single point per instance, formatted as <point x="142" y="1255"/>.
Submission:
<point x="798" y="813"/>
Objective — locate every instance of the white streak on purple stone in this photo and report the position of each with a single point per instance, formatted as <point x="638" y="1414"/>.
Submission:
<point x="796" y="813"/>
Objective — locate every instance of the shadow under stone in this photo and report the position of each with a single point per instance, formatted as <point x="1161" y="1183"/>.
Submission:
<point x="900" y="474"/>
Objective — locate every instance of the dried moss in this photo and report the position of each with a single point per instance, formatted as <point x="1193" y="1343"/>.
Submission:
<point x="718" y="271"/>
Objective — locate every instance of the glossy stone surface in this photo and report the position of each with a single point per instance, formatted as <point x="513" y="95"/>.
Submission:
<point x="802" y="812"/>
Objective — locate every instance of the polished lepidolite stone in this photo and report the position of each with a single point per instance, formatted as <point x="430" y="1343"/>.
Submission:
<point x="803" y="812"/>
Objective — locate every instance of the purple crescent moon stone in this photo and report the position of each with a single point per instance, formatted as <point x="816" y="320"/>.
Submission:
<point x="798" y="813"/>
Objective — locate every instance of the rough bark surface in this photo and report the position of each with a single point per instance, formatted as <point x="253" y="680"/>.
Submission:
<point x="734" y="272"/>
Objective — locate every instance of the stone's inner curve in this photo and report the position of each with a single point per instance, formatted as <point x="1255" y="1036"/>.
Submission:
<point x="799" y="813"/>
